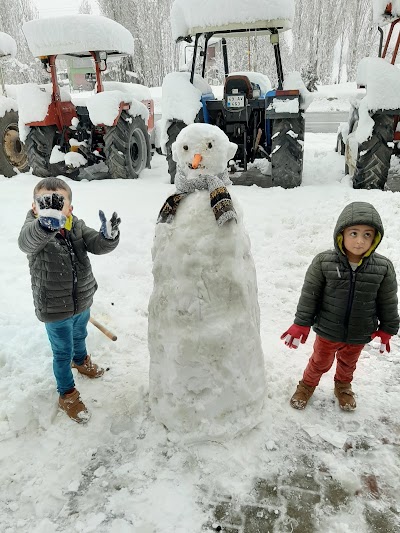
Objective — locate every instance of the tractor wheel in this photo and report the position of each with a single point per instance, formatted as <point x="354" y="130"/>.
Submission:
<point x="373" y="161"/>
<point x="287" y="152"/>
<point x="173" y="131"/>
<point x="39" y="144"/>
<point x="12" y="151"/>
<point x="127" y="147"/>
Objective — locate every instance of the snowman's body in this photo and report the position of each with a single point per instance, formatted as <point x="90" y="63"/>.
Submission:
<point x="206" y="362"/>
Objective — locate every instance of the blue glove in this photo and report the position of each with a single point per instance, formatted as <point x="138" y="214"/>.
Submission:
<point x="49" y="208"/>
<point x="109" y="228"/>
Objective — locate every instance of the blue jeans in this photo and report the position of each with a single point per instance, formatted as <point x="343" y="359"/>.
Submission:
<point x="67" y="340"/>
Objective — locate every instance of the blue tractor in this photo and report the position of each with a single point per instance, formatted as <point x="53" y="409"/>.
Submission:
<point x="267" y="124"/>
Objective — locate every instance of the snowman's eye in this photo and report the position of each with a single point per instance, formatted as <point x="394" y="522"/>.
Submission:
<point x="209" y="145"/>
<point x="186" y="147"/>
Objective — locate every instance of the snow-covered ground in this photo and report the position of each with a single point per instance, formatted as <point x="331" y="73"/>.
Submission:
<point x="121" y="473"/>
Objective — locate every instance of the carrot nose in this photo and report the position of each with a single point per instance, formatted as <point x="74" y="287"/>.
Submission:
<point x="196" y="160"/>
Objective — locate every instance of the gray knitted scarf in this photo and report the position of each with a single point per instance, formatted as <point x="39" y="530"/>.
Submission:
<point x="220" y="199"/>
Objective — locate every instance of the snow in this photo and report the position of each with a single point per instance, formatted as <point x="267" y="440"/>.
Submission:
<point x="190" y="16"/>
<point x="6" y="105"/>
<point x="294" y="81"/>
<point x="104" y="107"/>
<point x="181" y="100"/>
<point x="75" y="160"/>
<point x="280" y="105"/>
<point x="256" y="77"/>
<point x="134" y="90"/>
<point x="74" y="34"/>
<point x="382" y="81"/>
<point x="150" y="483"/>
<point x="8" y="46"/>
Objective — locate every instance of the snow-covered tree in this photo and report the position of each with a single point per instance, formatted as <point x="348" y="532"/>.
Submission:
<point x="85" y="8"/>
<point x="24" y="68"/>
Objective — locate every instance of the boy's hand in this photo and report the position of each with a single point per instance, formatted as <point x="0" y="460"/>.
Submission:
<point x="385" y="338"/>
<point x="109" y="228"/>
<point x="49" y="209"/>
<point x="295" y="334"/>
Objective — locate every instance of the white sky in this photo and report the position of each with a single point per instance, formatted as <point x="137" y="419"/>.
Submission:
<point x="54" y="8"/>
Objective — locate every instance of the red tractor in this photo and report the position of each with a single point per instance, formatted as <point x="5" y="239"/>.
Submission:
<point x="114" y="126"/>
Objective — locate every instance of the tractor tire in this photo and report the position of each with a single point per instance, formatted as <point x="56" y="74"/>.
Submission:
<point x="39" y="144"/>
<point x="127" y="147"/>
<point x="287" y="152"/>
<point x="373" y="161"/>
<point x="12" y="151"/>
<point x="173" y="131"/>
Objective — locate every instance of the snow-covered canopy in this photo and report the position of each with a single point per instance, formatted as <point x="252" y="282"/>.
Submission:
<point x="77" y="34"/>
<point x="379" y="8"/>
<point x="8" y="47"/>
<point x="189" y="17"/>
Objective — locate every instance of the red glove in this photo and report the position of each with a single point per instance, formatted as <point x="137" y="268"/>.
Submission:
<point x="296" y="334"/>
<point x="385" y="338"/>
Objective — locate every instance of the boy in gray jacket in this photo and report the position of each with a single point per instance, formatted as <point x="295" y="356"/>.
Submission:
<point x="63" y="285"/>
<point x="349" y="296"/>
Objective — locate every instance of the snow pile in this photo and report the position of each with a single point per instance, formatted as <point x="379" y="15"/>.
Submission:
<point x="379" y="8"/>
<point x="287" y="105"/>
<point x="33" y="104"/>
<point x="76" y="34"/>
<point x="6" y="105"/>
<point x="104" y="108"/>
<point x="191" y="16"/>
<point x="382" y="81"/>
<point x="134" y="90"/>
<point x="294" y="81"/>
<point x="206" y="363"/>
<point x="256" y="77"/>
<point x="8" y="46"/>
<point x="181" y="100"/>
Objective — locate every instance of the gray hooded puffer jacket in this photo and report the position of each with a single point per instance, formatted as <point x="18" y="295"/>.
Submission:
<point x="344" y="305"/>
<point x="62" y="279"/>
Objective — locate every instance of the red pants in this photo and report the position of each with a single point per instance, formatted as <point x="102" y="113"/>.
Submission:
<point x="322" y="359"/>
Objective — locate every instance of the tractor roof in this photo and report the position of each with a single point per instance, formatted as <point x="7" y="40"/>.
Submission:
<point x="77" y="35"/>
<point x="233" y="17"/>
<point x="385" y="11"/>
<point x="8" y="47"/>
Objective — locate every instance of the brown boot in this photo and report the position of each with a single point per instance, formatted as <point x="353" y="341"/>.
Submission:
<point x="345" y="396"/>
<point x="303" y="393"/>
<point x="72" y="404"/>
<point x="88" y="368"/>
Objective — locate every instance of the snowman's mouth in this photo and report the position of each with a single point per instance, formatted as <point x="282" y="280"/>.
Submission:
<point x="197" y="168"/>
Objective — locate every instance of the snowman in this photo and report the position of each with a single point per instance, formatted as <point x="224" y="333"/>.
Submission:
<point x="207" y="377"/>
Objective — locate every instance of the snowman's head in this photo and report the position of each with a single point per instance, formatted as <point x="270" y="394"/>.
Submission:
<point x="202" y="149"/>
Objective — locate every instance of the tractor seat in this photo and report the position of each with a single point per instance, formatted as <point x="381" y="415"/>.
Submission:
<point x="239" y="84"/>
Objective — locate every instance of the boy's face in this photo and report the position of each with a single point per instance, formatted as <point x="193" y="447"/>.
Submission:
<point x="358" y="240"/>
<point x="67" y="208"/>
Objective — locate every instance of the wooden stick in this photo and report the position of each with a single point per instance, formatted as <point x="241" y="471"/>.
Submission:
<point x="104" y="330"/>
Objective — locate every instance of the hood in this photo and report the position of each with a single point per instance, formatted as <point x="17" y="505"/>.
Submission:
<point x="356" y="213"/>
